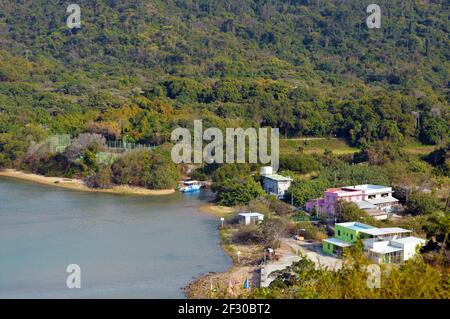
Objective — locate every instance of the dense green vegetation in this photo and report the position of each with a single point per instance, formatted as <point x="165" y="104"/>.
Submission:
<point x="147" y="169"/>
<point x="137" y="69"/>
<point x="415" y="279"/>
<point x="238" y="191"/>
<point x="139" y="167"/>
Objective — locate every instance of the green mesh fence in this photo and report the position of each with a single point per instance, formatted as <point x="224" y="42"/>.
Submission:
<point x="124" y="146"/>
<point x="107" y="158"/>
<point x="58" y="143"/>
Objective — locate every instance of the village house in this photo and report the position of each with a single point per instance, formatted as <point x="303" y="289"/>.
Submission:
<point x="375" y="199"/>
<point x="382" y="245"/>
<point x="275" y="184"/>
<point x="250" y="218"/>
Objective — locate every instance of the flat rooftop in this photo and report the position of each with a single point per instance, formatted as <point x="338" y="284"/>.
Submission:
<point x="356" y="226"/>
<point x="278" y="178"/>
<point x="385" y="249"/>
<point x="367" y="187"/>
<point x="342" y="190"/>
<point x="365" y="205"/>
<point x="251" y="214"/>
<point x="382" y="200"/>
<point x="409" y="240"/>
<point x="385" y="231"/>
<point x="361" y="188"/>
<point x="337" y="242"/>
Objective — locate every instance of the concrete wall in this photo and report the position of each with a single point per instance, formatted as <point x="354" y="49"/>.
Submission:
<point x="270" y="186"/>
<point x="327" y="248"/>
<point x="278" y="188"/>
<point x="345" y="234"/>
<point x="283" y="187"/>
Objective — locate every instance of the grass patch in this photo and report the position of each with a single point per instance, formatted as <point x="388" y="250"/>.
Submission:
<point x="316" y="146"/>
<point x="218" y="211"/>
<point x="418" y="148"/>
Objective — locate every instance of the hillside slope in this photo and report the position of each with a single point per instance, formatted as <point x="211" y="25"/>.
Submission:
<point x="309" y="67"/>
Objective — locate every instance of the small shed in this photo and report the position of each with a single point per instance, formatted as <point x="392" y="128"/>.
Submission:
<point x="250" y="218"/>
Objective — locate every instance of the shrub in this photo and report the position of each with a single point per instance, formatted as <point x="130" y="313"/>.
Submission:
<point x="110" y="130"/>
<point x="299" y="163"/>
<point x="279" y="207"/>
<point x="85" y="141"/>
<point x="102" y="179"/>
<point x="272" y="230"/>
<point x="381" y="152"/>
<point x="230" y="171"/>
<point x="440" y="158"/>
<point x="248" y="235"/>
<point x="145" y="169"/>
<point x="422" y="203"/>
<point x="349" y="212"/>
<point x="310" y="231"/>
<point x="238" y="191"/>
<point x="36" y="155"/>
<point x="199" y="175"/>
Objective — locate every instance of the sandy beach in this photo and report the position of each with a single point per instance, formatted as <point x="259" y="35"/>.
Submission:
<point x="79" y="185"/>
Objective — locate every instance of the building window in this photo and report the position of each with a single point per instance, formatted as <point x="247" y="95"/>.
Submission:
<point x="351" y="236"/>
<point x="339" y="233"/>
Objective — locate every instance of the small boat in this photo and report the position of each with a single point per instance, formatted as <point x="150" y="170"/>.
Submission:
<point x="191" y="186"/>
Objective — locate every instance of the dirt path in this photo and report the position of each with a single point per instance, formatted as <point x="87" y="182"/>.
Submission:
<point x="314" y="253"/>
<point x="306" y="138"/>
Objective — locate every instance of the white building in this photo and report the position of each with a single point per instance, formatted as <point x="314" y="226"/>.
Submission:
<point x="391" y="245"/>
<point x="377" y="196"/>
<point x="381" y="245"/>
<point x="409" y="245"/>
<point x="250" y="218"/>
<point x="275" y="184"/>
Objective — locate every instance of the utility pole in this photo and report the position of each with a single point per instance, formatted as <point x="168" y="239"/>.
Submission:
<point x="292" y="199"/>
<point x="318" y="210"/>
<point x="417" y="115"/>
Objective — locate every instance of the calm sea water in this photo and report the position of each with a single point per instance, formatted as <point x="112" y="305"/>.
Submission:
<point x="126" y="246"/>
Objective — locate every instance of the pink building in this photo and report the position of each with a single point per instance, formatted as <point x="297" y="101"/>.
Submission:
<point x="366" y="197"/>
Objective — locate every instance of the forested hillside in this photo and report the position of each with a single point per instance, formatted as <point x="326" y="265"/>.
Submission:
<point x="137" y="68"/>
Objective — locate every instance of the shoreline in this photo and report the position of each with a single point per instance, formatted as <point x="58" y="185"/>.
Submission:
<point x="196" y="287"/>
<point x="228" y="283"/>
<point x="79" y="185"/>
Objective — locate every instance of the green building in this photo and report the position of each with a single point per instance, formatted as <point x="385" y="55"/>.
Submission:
<point x="345" y="234"/>
<point x="382" y="245"/>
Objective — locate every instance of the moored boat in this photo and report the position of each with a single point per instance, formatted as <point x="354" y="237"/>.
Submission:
<point x="191" y="186"/>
